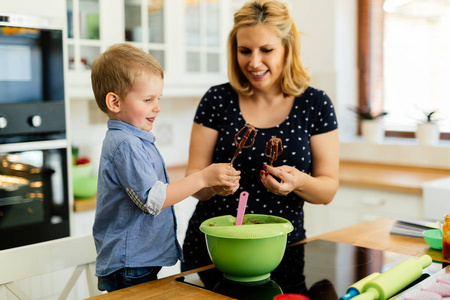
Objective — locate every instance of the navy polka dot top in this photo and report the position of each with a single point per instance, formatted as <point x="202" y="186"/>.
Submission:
<point x="312" y="113"/>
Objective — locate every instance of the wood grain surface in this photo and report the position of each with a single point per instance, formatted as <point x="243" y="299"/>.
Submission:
<point x="372" y="234"/>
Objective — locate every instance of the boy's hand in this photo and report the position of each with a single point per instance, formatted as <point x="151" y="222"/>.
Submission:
<point x="225" y="190"/>
<point x="222" y="177"/>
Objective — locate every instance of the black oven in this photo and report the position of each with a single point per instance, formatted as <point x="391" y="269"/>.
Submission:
<point x="34" y="197"/>
<point x="33" y="193"/>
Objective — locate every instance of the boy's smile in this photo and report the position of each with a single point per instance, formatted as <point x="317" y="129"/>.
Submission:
<point x="141" y="105"/>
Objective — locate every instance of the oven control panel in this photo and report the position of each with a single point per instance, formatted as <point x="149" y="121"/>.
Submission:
<point x="31" y="118"/>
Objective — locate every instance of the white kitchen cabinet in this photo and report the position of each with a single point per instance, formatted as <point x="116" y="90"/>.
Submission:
<point x="83" y="33"/>
<point x="82" y="222"/>
<point x="188" y="38"/>
<point x="353" y="205"/>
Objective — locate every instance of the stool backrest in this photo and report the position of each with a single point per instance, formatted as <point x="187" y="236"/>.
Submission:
<point x="47" y="257"/>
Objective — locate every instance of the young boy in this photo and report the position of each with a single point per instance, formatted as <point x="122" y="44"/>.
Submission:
<point x="135" y="226"/>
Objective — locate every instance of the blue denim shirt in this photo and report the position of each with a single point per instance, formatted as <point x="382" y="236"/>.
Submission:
<point x="130" y="229"/>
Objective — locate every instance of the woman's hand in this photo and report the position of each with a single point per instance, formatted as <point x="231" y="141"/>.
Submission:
<point x="281" y="180"/>
<point x="318" y="187"/>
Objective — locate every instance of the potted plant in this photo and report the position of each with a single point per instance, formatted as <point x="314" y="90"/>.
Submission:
<point x="372" y="125"/>
<point x="427" y="132"/>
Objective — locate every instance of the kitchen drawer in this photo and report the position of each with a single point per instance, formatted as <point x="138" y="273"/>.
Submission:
<point x="379" y="203"/>
<point x="353" y="205"/>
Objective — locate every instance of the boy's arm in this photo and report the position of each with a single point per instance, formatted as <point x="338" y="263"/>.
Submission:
<point x="201" y="149"/>
<point x="177" y="191"/>
<point x="216" y="174"/>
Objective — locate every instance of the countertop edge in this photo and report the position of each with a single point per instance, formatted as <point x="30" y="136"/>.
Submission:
<point x="398" y="178"/>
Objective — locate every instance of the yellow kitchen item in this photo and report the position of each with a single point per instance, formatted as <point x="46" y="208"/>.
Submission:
<point x="395" y="279"/>
<point x="356" y="288"/>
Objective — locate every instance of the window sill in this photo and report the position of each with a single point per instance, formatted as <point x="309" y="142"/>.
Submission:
<point x="397" y="151"/>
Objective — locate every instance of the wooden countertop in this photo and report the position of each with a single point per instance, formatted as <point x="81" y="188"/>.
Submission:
<point x="371" y="234"/>
<point x="398" y="178"/>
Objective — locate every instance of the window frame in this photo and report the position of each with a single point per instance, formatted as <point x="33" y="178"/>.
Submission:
<point x="370" y="62"/>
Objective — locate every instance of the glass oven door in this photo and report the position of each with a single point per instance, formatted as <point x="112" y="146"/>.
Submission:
<point x="31" y="60"/>
<point x="34" y="201"/>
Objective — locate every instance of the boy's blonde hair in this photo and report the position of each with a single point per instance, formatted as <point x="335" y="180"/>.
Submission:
<point x="294" y="78"/>
<point x="116" y="69"/>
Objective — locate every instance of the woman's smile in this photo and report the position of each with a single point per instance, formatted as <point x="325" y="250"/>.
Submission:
<point x="258" y="74"/>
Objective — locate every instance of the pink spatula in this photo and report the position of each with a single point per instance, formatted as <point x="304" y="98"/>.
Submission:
<point x="241" y="207"/>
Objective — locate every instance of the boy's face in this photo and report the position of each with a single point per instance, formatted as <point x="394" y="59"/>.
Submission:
<point x="141" y="105"/>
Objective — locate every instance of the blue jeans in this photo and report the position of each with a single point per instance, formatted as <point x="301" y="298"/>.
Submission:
<point x="127" y="277"/>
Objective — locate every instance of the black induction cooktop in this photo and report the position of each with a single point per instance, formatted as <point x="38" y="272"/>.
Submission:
<point x="318" y="269"/>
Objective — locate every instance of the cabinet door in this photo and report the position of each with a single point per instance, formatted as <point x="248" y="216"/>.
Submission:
<point x="187" y="37"/>
<point x="83" y="30"/>
<point x="144" y="26"/>
<point x="353" y="205"/>
<point x="202" y="36"/>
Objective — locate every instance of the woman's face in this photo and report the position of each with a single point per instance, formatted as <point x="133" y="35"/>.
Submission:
<point x="261" y="56"/>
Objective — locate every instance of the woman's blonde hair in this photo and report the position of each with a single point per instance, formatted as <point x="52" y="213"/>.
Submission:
<point x="116" y="69"/>
<point x="294" y="78"/>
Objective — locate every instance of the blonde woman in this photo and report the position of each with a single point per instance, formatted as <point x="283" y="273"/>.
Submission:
<point x="269" y="89"/>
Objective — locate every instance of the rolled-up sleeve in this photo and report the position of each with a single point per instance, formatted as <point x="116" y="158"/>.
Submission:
<point x="156" y="198"/>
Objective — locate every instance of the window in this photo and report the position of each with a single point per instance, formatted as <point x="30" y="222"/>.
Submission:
<point x="404" y="62"/>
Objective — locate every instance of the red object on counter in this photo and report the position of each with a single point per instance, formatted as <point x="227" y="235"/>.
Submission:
<point x="82" y="161"/>
<point x="291" y="297"/>
<point x="446" y="238"/>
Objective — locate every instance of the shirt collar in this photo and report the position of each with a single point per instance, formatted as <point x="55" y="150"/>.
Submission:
<point x="119" y="125"/>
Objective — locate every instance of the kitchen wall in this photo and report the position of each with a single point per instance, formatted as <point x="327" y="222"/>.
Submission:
<point x="172" y="128"/>
<point x="328" y="43"/>
<point x="38" y="8"/>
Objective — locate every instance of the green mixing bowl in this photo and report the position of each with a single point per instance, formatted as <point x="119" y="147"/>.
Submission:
<point x="248" y="252"/>
<point x="433" y="237"/>
<point x="82" y="170"/>
<point x="84" y="187"/>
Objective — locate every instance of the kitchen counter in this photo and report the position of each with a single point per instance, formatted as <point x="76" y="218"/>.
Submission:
<point x="371" y="234"/>
<point x="406" y="179"/>
<point x="175" y="173"/>
<point x="398" y="178"/>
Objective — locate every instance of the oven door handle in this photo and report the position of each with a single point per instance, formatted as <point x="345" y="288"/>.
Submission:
<point x="29" y="146"/>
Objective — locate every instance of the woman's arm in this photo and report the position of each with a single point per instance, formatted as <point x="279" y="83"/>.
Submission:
<point x="201" y="149"/>
<point x="317" y="188"/>
<point x="322" y="185"/>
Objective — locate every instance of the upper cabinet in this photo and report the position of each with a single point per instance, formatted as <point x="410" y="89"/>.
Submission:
<point x="83" y="33"/>
<point x="145" y="27"/>
<point x="187" y="37"/>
